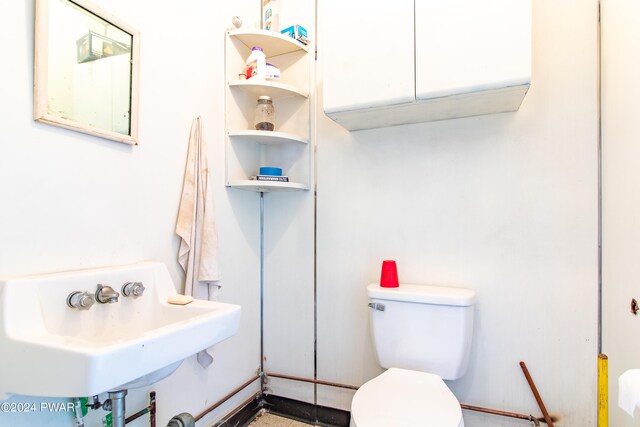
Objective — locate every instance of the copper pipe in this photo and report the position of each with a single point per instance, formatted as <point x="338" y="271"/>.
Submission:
<point x="136" y="415"/>
<point x="152" y="404"/>
<point x="227" y="397"/>
<point x="534" y="390"/>
<point x="308" y="380"/>
<point x="531" y="418"/>
<point x="463" y="406"/>
<point x="151" y="410"/>
<point x="255" y="396"/>
<point x="495" y="412"/>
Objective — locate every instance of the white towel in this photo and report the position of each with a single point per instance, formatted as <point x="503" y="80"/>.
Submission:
<point x="196" y="227"/>
<point x="629" y="390"/>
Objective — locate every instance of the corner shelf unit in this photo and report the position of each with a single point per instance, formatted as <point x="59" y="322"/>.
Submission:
<point x="270" y="88"/>
<point x="288" y="146"/>
<point x="266" y="137"/>
<point x="274" y="44"/>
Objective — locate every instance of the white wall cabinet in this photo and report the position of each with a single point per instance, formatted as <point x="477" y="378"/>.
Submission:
<point x="288" y="146"/>
<point x="423" y="60"/>
<point x="368" y="54"/>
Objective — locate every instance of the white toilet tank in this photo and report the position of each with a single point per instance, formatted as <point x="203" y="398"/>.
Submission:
<point x="422" y="328"/>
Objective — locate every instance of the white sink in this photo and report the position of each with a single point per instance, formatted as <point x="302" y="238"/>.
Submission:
<point x="50" y="349"/>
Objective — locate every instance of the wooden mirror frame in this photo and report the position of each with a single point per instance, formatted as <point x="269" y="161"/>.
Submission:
<point x="41" y="63"/>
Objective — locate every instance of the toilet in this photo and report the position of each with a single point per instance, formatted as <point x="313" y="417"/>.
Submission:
<point x="422" y="336"/>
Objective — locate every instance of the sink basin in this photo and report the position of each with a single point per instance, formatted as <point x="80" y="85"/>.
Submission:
<point x="50" y="349"/>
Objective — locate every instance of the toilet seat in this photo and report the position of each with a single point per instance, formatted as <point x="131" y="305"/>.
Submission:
<point x="404" y="398"/>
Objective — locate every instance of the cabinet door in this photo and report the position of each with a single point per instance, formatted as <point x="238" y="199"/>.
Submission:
<point x="466" y="46"/>
<point x="366" y="52"/>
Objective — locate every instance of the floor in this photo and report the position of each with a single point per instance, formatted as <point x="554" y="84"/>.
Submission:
<point x="270" y="420"/>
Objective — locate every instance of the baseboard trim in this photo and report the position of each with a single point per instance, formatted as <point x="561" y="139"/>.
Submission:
<point x="289" y="408"/>
<point x="244" y="414"/>
<point x="306" y="412"/>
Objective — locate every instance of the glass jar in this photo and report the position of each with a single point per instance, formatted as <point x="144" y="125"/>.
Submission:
<point x="265" y="114"/>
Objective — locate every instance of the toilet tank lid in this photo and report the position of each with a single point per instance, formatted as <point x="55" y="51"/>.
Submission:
<point x="424" y="294"/>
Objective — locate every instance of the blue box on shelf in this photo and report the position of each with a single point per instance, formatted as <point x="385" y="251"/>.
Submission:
<point x="298" y="32"/>
<point x="271" y="171"/>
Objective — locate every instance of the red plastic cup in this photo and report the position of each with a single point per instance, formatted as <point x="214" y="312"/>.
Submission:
<point x="389" y="274"/>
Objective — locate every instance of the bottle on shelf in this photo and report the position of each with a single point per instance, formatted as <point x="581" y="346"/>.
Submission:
<point x="265" y="114"/>
<point x="256" y="64"/>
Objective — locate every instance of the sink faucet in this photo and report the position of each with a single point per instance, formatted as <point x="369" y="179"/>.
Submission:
<point x="133" y="289"/>
<point x="106" y="295"/>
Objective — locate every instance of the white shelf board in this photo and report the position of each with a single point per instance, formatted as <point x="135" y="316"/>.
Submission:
<point x="266" y="137"/>
<point x="267" y="186"/>
<point x="265" y="87"/>
<point x="272" y="43"/>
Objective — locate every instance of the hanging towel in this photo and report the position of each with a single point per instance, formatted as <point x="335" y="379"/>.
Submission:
<point x="629" y="390"/>
<point x="196" y="227"/>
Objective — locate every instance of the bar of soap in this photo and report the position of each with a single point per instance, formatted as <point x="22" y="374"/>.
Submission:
<point x="178" y="299"/>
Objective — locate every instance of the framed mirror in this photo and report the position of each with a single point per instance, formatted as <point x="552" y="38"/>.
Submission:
<point x="86" y="70"/>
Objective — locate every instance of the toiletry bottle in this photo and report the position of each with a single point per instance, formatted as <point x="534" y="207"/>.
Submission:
<point x="256" y="64"/>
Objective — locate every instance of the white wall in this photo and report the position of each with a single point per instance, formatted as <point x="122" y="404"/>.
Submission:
<point x="621" y="184"/>
<point x="72" y="201"/>
<point x="504" y="204"/>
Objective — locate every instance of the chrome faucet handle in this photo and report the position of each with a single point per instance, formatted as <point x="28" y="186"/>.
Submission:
<point x="106" y="295"/>
<point x="133" y="289"/>
<point x="80" y="300"/>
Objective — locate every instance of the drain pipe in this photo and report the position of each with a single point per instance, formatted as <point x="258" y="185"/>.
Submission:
<point x="116" y="405"/>
<point x="184" y="419"/>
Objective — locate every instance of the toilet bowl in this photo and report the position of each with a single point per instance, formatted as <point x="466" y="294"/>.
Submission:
<point x="405" y="398"/>
<point x="422" y="335"/>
